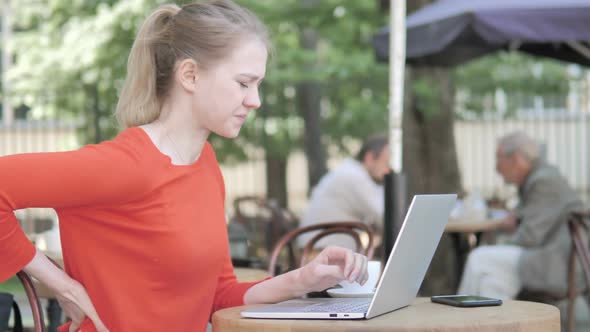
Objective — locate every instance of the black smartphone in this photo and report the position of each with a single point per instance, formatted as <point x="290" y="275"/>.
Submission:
<point x="465" y="300"/>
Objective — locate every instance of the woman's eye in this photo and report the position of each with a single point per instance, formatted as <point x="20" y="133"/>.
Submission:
<point x="243" y="85"/>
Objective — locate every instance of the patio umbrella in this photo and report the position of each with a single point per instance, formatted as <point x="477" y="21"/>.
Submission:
<point x="450" y="32"/>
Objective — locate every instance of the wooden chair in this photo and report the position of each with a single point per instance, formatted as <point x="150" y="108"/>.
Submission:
<point x="578" y="224"/>
<point x="33" y="297"/>
<point x="352" y="229"/>
<point x="579" y="229"/>
<point x="36" y="308"/>
<point x="265" y="222"/>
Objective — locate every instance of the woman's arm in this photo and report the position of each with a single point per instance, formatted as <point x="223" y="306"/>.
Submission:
<point x="95" y="174"/>
<point x="331" y="266"/>
<point x="70" y="294"/>
<point x="99" y="174"/>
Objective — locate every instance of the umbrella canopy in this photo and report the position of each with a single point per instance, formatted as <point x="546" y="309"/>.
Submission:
<point x="450" y="32"/>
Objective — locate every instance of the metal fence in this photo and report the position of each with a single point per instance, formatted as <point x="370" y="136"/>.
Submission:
<point x="564" y="136"/>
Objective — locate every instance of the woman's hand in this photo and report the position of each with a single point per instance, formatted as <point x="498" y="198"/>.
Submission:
<point x="330" y="267"/>
<point x="70" y="294"/>
<point x="76" y="304"/>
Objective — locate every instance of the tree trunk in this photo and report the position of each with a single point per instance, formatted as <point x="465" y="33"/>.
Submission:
<point x="276" y="179"/>
<point x="308" y="104"/>
<point x="430" y="159"/>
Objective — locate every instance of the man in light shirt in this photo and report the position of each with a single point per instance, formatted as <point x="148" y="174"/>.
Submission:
<point x="351" y="192"/>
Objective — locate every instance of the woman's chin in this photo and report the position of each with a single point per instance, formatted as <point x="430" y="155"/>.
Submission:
<point x="233" y="133"/>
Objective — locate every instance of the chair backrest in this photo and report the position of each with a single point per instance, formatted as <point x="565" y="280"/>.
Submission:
<point x="34" y="302"/>
<point x="579" y="225"/>
<point x="264" y="220"/>
<point x="350" y="228"/>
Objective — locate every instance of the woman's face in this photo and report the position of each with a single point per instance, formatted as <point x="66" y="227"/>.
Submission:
<point x="227" y="92"/>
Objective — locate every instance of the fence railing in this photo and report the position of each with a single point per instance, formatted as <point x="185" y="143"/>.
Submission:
<point x="565" y="137"/>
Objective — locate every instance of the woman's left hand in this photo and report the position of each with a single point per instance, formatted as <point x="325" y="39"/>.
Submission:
<point x="330" y="267"/>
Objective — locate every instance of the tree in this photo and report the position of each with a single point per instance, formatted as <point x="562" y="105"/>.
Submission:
<point x="71" y="59"/>
<point x="323" y="56"/>
<point x="429" y="157"/>
<point x="517" y="76"/>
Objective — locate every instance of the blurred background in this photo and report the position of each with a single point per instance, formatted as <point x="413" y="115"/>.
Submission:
<point x="63" y="62"/>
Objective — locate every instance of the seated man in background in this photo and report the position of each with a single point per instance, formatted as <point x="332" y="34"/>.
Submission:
<point x="351" y="192"/>
<point x="536" y="255"/>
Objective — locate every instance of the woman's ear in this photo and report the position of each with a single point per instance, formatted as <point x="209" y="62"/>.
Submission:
<point x="187" y="74"/>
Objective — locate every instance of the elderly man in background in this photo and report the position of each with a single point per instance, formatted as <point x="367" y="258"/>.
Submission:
<point x="351" y="192"/>
<point x="536" y="255"/>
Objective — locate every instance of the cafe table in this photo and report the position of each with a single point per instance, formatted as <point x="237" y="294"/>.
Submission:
<point x="468" y="226"/>
<point x="460" y="232"/>
<point x="422" y="315"/>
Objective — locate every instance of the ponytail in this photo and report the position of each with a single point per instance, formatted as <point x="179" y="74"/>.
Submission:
<point x="139" y="102"/>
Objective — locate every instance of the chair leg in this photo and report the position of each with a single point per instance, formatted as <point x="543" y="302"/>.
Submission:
<point x="53" y="314"/>
<point x="570" y="319"/>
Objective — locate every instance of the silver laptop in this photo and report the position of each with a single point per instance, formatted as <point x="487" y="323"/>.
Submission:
<point x="403" y="274"/>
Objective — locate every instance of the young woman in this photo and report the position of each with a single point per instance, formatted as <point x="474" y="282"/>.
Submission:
<point x="142" y="219"/>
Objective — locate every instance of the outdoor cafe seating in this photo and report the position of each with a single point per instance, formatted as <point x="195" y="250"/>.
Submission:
<point x="356" y="230"/>
<point x="256" y="226"/>
<point x="579" y="227"/>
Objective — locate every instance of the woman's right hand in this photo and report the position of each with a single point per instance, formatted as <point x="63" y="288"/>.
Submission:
<point x="70" y="294"/>
<point x="76" y="304"/>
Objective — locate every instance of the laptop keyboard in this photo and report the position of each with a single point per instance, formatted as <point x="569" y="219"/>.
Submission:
<point x="339" y="307"/>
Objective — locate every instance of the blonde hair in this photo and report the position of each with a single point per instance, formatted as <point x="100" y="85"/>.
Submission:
<point x="205" y="31"/>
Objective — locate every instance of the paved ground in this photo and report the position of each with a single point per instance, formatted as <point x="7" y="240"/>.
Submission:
<point x="582" y="313"/>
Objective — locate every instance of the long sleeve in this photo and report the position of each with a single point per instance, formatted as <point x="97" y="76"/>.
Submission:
<point x="230" y="292"/>
<point x="95" y="174"/>
<point x="136" y="230"/>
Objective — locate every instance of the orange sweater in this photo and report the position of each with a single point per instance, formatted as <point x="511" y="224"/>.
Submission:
<point x="146" y="238"/>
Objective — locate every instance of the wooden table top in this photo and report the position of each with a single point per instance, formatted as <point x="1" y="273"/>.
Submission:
<point x="514" y="316"/>
<point x="459" y="226"/>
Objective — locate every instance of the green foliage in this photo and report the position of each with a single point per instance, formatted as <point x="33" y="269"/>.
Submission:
<point x="516" y="74"/>
<point x="71" y="58"/>
<point x="12" y="286"/>
<point x="353" y="86"/>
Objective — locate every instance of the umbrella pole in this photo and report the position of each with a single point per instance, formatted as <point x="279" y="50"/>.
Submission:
<point x="395" y="182"/>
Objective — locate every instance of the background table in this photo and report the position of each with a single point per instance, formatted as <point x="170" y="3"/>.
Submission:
<point x="465" y="235"/>
<point x="514" y="316"/>
<point x="246" y="274"/>
<point x="459" y="226"/>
